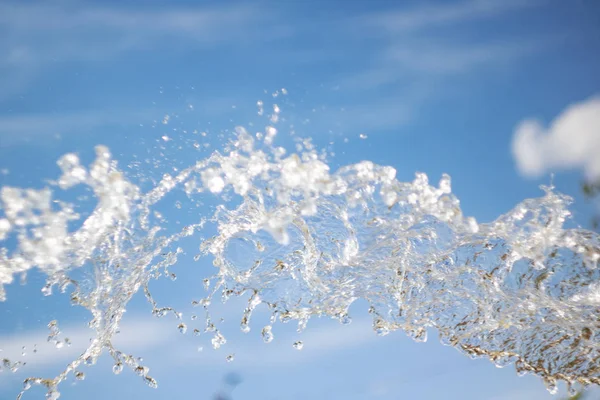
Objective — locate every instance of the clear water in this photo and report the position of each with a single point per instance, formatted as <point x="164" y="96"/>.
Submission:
<point x="302" y="241"/>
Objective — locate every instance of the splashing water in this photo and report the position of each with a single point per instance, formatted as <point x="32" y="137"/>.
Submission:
<point x="306" y="242"/>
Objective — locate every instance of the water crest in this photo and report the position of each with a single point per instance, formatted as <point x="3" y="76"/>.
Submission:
<point x="303" y="241"/>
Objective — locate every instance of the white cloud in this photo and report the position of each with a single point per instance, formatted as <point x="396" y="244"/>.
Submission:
<point x="571" y="141"/>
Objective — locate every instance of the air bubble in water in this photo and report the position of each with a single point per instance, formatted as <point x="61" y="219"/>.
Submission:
<point x="79" y="375"/>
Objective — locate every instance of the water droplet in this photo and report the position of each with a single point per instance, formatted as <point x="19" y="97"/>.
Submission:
<point x="298" y="345"/>
<point x="52" y="395"/>
<point x="571" y="390"/>
<point x="362" y="136"/>
<point x="141" y="370"/>
<point x="230" y="357"/>
<point x="117" y="368"/>
<point x="182" y="327"/>
<point x="218" y="340"/>
<point x="381" y="328"/>
<point x="79" y="375"/>
<point x="267" y="334"/>
<point x="345" y="319"/>
<point x="302" y="324"/>
<point x="47" y="290"/>
<point x="244" y="325"/>
<point x="151" y="382"/>
<point x="551" y="385"/>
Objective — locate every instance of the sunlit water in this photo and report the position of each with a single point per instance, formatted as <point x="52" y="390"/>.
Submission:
<point x="304" y="241"/>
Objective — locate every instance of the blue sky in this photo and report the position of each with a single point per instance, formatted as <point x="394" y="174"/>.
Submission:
<point x="436" y="87"/>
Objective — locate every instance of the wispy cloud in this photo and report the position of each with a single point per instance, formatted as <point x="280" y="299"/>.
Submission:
<point x="30" y="128"/>
<point x="414" y="45"/>
<point x="412" y="48"/>
<point x="403" y="46"/>
<point x="39" y="128"/>
<point x="442" y="13"/>
<point x="42" y="35"/>
<point x="54" y="31"/>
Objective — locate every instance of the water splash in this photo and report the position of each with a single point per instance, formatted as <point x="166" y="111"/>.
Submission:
<point x="304" y="241"/>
